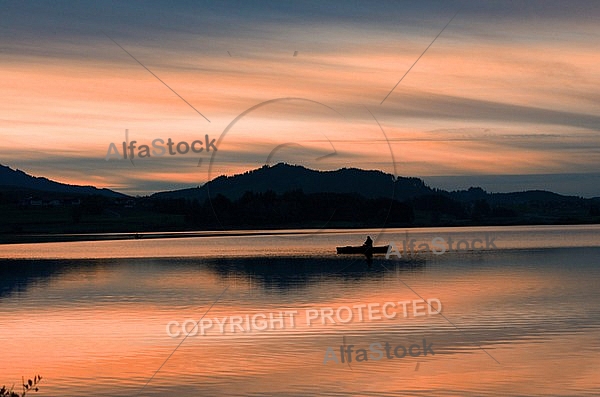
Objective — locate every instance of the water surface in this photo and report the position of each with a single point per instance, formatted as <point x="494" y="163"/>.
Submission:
<point x="91" y="317"/>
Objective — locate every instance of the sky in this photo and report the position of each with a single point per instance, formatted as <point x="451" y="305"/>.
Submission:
<point x="506" y="97"/>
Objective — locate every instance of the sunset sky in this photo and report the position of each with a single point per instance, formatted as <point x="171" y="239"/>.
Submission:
<point x="505" y="98"/>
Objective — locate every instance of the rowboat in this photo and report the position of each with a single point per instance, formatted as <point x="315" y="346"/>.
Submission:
<point x="362" y="249"/>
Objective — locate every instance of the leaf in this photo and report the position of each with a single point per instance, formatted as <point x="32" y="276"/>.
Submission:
<point x="30" y="382"/>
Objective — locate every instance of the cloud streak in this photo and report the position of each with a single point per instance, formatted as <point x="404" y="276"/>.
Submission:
<point x="506" y="88"/>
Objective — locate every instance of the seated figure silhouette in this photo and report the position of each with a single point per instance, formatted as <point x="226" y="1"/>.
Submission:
<point x="368" y="244"/>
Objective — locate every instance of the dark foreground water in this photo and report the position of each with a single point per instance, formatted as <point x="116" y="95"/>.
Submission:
<point x="520" y="318"/>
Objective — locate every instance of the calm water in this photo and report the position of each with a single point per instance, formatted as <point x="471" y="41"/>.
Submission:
<point x="91" y="317"/>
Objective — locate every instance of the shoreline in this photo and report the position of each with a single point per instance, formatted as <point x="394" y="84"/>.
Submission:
<point x="119" y="236"/>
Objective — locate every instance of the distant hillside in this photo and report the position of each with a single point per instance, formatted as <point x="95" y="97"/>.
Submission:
<point x="11" y="180"/>
<point x="282" y="178"/>
<point x="272" y="197"/>
<point x="294" y="195"/>
<point x="477" y="193"/>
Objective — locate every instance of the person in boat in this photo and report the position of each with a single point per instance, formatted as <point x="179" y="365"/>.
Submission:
<point x="368" y="244"/>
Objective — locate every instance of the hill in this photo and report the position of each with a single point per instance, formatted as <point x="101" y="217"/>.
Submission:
<point x="282" y="178"/>
<point x="16" y="180"/>
<point x="272" y="197"/>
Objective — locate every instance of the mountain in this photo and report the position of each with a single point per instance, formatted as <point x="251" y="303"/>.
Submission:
<point x="272" y="197"/>
<point x="281" y="178"/>
<point x="370" y="184"/>
<point x="541" y="196"/>
<point x="18" y="180"/>
<point x="350" y="193"/>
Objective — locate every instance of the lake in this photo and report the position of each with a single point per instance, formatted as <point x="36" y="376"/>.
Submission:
<point x="275" y="310"/>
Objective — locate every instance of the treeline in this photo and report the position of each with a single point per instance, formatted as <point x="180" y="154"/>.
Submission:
<point x="293" y="208"/>
<point x="299" y="209"/>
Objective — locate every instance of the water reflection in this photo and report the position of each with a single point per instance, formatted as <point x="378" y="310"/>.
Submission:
<point x="283" y="273"/>
<point x="98" y="326"/>
<point x="17" y="275"/>
<point x="275" y="273"/>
